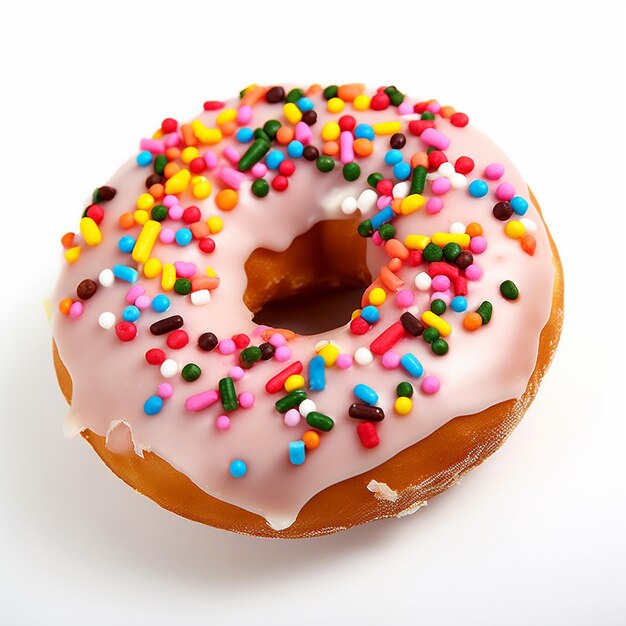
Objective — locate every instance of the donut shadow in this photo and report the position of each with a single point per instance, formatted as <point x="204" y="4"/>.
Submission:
<point x="69" y="501"/>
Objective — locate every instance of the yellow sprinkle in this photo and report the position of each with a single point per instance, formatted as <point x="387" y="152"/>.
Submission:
<point x="189" y="154"/>
<point x="225" y="116"/>
<point x="329" y="353"/>
<point x="429" y="318"/>
<point x="403" y="405"/>
<point x="355" y="313"/>
<point x="515" y="229"/>
<point x="178" y="183"/>
<point x="215" y="224"/>
<point x="293" y="382"/>
<point x="202" y="190"/>
<point x="377" y="296"/>
<point x="330" y="131"/>
<point x="146" y="240"/>
<point x="292" y="113"/>
<point x="206" y="135"/>
<point x="210" y="271"/>
<point x="441" y="239"/>
<point x="362" y="102"/>
<point x="90" y="231"/>
<point x="72" y="254"/>
<point x="412" y="203"/>
<point x="168" y="277"/>
<point x="335" y="105"/>
<point x="157" y="134"/>
<point x="141" y="217"/>
<point x="416" y="242"/>
<point x="152" y="268"/>
<point x="145" y="202"/>
<point x="387" y="128"/>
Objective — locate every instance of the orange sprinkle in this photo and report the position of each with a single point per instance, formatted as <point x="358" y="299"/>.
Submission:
<point x="311" y="440"/>
<point x="474" y="229"/>
<point x="472" y="321"/>
<point x="157" y="191"/>
<point x="189" y="138"/>
<point x="419" y="158"/>
<point x="170" y="169"/>
<point x="363" y="147"/>
<point x="253" y="94"/>
<point x="350" y="91"/>
<point x="396" y="250"/>
<point x="204" y="282"/>
<point x="67" y="241"/>
<point x="172" y="153"/>
<point x="389" y="279"/>
<point x="226" y="199"/>
<point x="395" y="205"/>
<point x="199" y="230"/>
<point x="127" y="220"/>
<point x="228" y="128"/>
<point x="529" y="244"/>
<point x="331" y="148"/>
<point x="313" y="89"/>
<point x="395" y="264"/>
<point x="284" y="135"/>
<point x="289" y="335"/>
<point x="447" y="112"/>
<point x="65" y="304"/>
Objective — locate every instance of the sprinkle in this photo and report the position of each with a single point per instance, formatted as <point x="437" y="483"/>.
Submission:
<point x="363" y="356"/>
<point x="485" y="310"/>
<point x="238" y="468"/>
<point x="90" y="231"/>
<point x="153" y="405"/>
<point x="367" y="435"/>
<point x="390" y="360"/>
<point x="430" y="385"/>
<point x="306" y="406"/>
<point x="246" y="399"/>
<point x="296" y="451"/>
<point x="166" y="325"/>
<point x="403" y="405"/>
<point x="509" y="290"/>
<point x="388" y="338"/>
<point x="276" y="384"/>
<point x="228" y="395"/>
<point x="106" y="320"/>
<point x="442" y="239"/>
<point x="292" y="418"/>
<point x="366" y="412"/>
<point x="411" y="324"/>
<point x="433" y="320"/>
<point x="320" y="421"/>
<point x="329" y="353"/>
<point x="435" y="138"/>
<point x="190" y="372"/>
<point x="126" y="273"/>
<point x="290" y="401"/>
<point x="165" y="391"/>
<point x="207" y="342"/>
<point x="125" y="331"/>
<point x="317" y="373"/>
<point x="200" y="401"/>
<point x="387" y="128"/>
<point x="410" y="363"/>
<point x="222" y="422"/>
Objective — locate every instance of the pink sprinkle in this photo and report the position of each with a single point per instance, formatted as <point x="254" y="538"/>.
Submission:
<point x="169" y="201"/>
<point x="133" y="293"/>
<point x="76" y="310"/>
<point x="277" y="340"/>
<point x="143" y="302"/>
<point x="405" y="109"/>
<point x="405" y="298"/>
<point x="383" y="201"/>
<point x="390" y="360"/>
<point x="165" y="391"/>
<point x="175" y="212"/>
<point x="282" y="354"/>
<point x="493" y="171"/>
<point x="292" y="418"/>
<point x="231" y="177"/>
<point x="303" y="133"/>
<point x="433" y="107"/>
<point x="185" y="269"/>
<point x="433" y="137"/>
<point x="226" y="346"/>
<point x="201" y="401"/>
<point x="244" y="114"/>
<point x="441" y="185"/>
<point x="152" y="145"/>
<point x="222" y="422"/>
<point x="232" y="155"/>
<point x="441" y="283"/>
<point x="236" y="373"/>
<point x="430" y="385"/>
<point x="434" y="205"/>
<point x="473" y="272"/>
<point x="210" y="158"/>
<point x="441" y="295"/>
<point x="345" y="142"/>
<point x="478" y="244"/>
<point x="246" y="399"/>
<point x="505" y="191"/>
<point x="167" y="235"/>
<point x="259" y="170"/>
<point x="377" y="240"/>
<point x="171" y="141"/>
<point x="344" y="361"/>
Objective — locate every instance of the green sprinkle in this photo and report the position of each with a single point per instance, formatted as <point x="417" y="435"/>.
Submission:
<point x="365" y="228"/>
<point x="374" y="178"/>
<point x="485" y="311"/>
<point x="331" y="92"/>
<point x="427" y="115"/>
<point x="158" y="213"/>
<point x="430" y="334"/>
<point x="294" y="95"/>
<point x="190" y="372"/>
<point x="396" y="97"/>
<point x="351" y="171"/>
<point x="182" y="286"/>
<point x="260" y="187"/>
<point x="319" y="421"/>
<point x="325" y="164"/>
<point x="386" y="232"/>
<point x="250" y="355"/>
<point x="259" y="133"/>
<point x="253" y="154"/>
<point x="418" y="179"/>
<point x="432" y="252"/>
<point x="404" y="390"/>
<point x="438" y="306"/>
<point x="271" y="128"/>
<point x="228" y="395"/>
<point x="451" y="251"/>
<point x="159" y="164"/>
<point x="509" y="290"/>
<point x="439" y="346"/>
<point x="290" y="401"/>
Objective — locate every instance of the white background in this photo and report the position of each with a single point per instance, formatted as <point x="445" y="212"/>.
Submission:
<point x="534" y="536"/>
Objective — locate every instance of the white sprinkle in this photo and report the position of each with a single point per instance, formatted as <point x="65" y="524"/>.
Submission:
<point x="382" y="491"/>
<point x="306" y="406"/>
<point x="363" y="356"/>
<point x="423" y="281"/>
<point x="446" y="169"/>
<point x="106" y="320"/>
<point x="202" y="296"/>
<point x="458" y="181"/>
<point x="529" y="225"/>
<point x="348" y="205"/>
<point x="169" y="368"/>
<point x="106" y="278"/>
<point x="367" y="200"/>
<point x="457" y="228"/>
<point x="401" y="190"/>
<point x="320" y="344"/>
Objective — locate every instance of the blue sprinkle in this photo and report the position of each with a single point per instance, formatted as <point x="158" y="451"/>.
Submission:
<point x="381" y="217"/>
<point x="459" y="304"/>
<point x="152" y="405"/>
<point x="123" y="272"/>
<point x="295" y="149"/>
<point x="370" y="314"/>
<point x="317" y="373"/>
<point x="410" y="363"/>
<point x="144" y="158"/>
<point x="366" y="394"/>
<point x="478" y="188"/>
<point x="126" y="244"/>
<point x="304" y="104"/>
<point x="238" y="468"/>
<point x="296" y="452"/>
<point x="160" y="303"/>
<point x="364" y="131"/>
<point x="183" y="237"/>
<point x="244" y="135"/>
<point x="393" y="156"/>
<point x="402" y="170"/>
<point x="131" y="313"/>
<point x="520" y="206"/>
<point x="274" y="159"/>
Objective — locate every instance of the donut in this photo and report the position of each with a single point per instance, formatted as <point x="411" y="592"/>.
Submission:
<point x="306" y="309"/>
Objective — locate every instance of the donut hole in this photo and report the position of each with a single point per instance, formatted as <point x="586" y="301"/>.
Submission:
<point x="314" y="285"/>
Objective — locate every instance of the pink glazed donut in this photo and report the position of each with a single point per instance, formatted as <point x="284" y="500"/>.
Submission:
<point x="306" y="309"/>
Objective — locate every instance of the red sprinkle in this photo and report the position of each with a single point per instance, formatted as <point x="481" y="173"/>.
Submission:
<point x="155" y="356"/>
<point x="464" y="165"/>
<point x="367" y="434"/>
<point x="358" y="326"/>
<point x="440" y="267"/>
<point x="125" y="331"/>
<point x="287" y="168"/>
<point x="460" y="286"/>
<point x="207" y="245"/>
<point x="415" y="258"/>
<point x="280" y="183"/>
<point x="197" y="165"/>
<point x="417" y="127"/>
<point x="436" y="158"/>
<point x="241" y="341"/>
<point x="346" y="122"/>
<point x="384" y="187"/>
<point x="213" y="105"/>
<point x="169" y="125"/>
<point x="274" y="385"/>
<point x="459" y="119"/>
<point x="191" y="215"/>
<point x="177" y="339"/>
<point x="420" y="107"/>
<point x="380" y="101"/>
<point x="388" y="338"/>
<point x="95" y="212"/>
